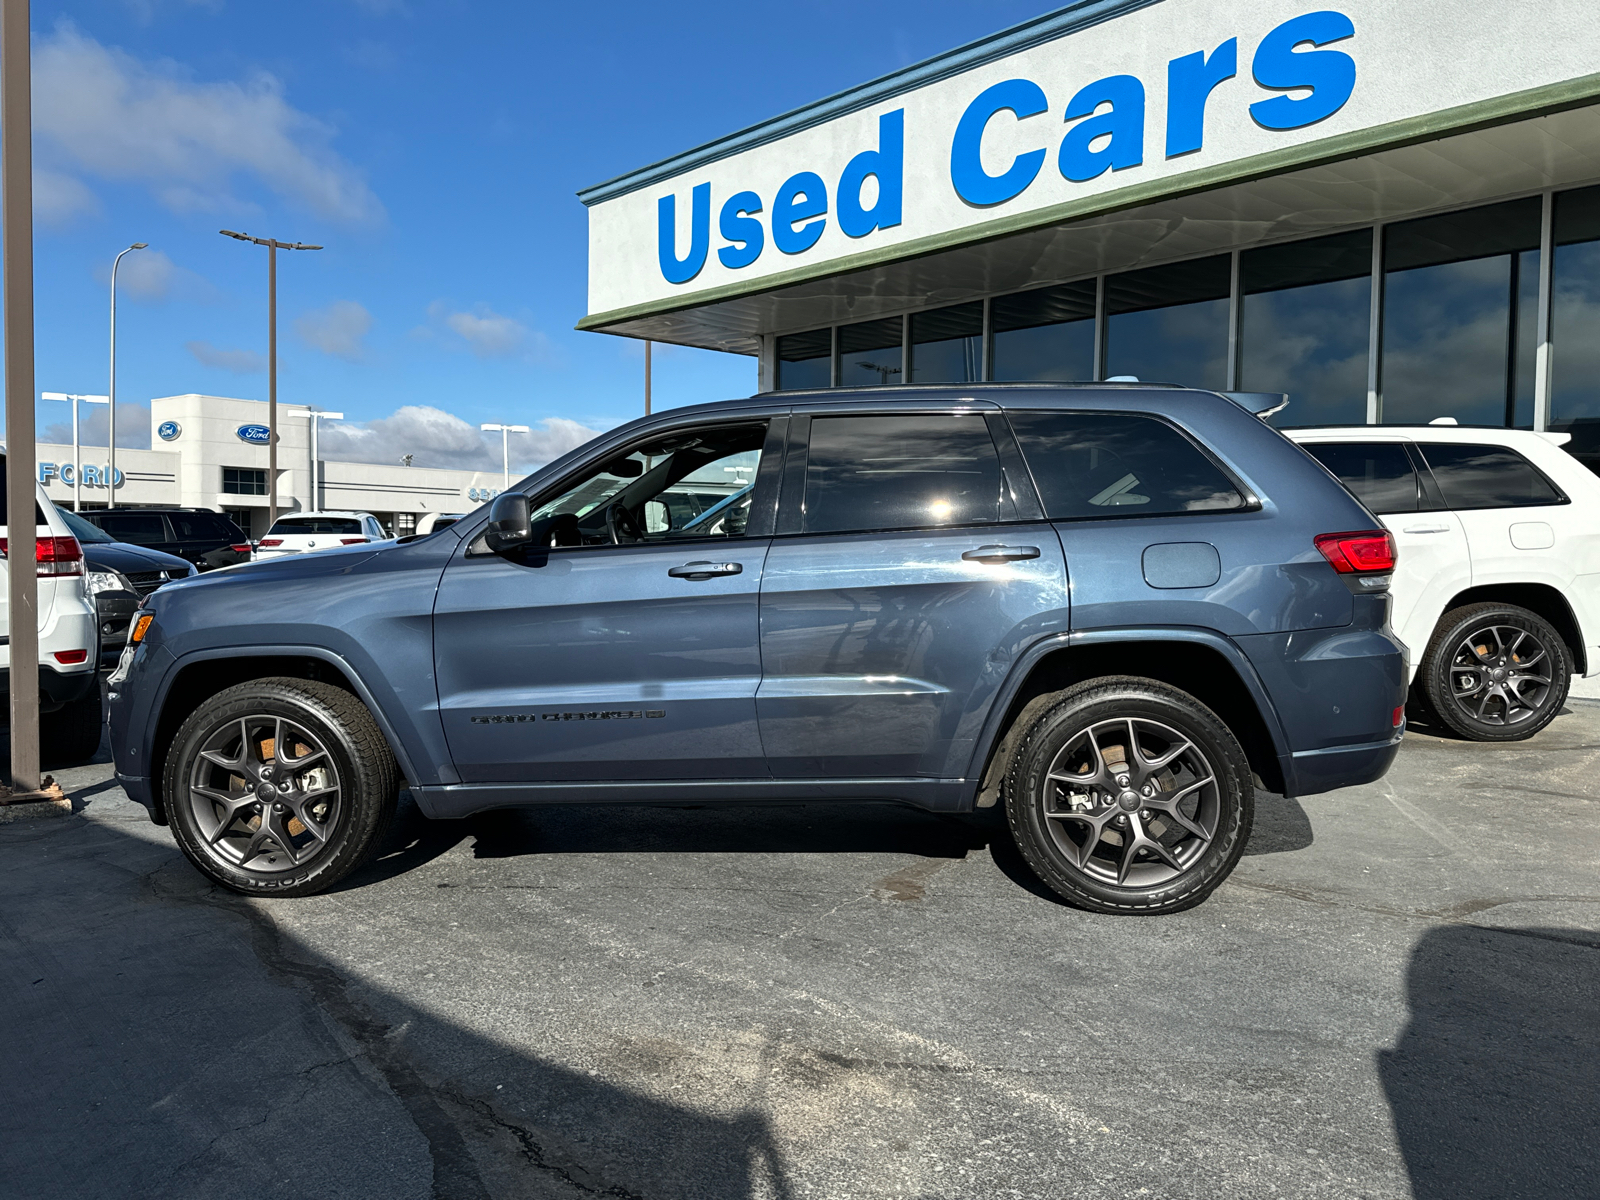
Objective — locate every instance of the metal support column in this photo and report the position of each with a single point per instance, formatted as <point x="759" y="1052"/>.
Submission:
<point x="1542" y="354"/>
<point x="1375" y="331"/>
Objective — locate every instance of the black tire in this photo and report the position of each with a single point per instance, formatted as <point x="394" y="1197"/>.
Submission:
<point x="70" y="736"/>
<point x="264" y="824"/>
<point x="1480" y="679"/>
<point x="1095" y="847"/>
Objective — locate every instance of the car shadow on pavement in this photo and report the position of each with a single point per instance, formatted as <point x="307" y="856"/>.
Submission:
<point x="1495" y="1081"/>
<point x="168" y="1038"/>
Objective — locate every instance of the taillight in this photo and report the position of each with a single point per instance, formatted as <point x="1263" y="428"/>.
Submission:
<point x="1399" y="715"/>
<point x="1360" y="552"/>
<point x="351" y="541"/>
<point x="55" y="555"/>
<point x="241" y="548"/>
<point x="71" y="657"/>
<point x="265" y="542"/>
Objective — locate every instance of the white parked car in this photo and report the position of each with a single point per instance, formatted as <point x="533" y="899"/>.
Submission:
<point x="70" y="719"/>
<point x="1497" y="589"/>
<point x="303" y="532"/>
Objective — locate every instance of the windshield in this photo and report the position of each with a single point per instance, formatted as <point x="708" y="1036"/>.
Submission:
<point x="82" y="530"/>
<point x="317" y="525"/>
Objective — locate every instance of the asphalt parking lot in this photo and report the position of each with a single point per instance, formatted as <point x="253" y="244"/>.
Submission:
<point x="1394" y="996"/>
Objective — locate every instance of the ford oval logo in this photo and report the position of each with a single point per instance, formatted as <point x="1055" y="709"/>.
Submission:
<point x="170" y="431"/>
<point x="258" y="435"/>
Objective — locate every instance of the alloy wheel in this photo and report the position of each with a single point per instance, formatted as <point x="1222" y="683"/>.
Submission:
<point x="1131" y="802"/>
<point x="265" y="794"/>
<point x="1500" y="675"/>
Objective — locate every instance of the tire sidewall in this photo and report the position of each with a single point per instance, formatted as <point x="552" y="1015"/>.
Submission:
<point x="356" y="818"/>
<point x="1090" y="704"/>
<point x="1441" y="651"/>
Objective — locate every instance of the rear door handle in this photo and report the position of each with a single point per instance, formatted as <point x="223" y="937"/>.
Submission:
<point x="1001" y="554"/>
<point x="1426" y="529"/>
<point x="704" y="570"/>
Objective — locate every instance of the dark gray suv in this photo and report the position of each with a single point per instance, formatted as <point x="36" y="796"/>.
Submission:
<point x="1108" y="607"/>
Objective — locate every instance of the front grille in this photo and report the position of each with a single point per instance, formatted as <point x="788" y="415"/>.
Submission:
<point x="145" y="582"/>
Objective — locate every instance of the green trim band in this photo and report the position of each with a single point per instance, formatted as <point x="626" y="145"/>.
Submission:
<point x="1464" y="118"/>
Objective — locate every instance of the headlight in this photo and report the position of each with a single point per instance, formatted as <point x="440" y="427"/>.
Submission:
<point x="95" y="582"/>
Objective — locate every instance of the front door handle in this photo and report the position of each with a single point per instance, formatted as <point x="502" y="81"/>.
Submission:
<point x="1426" y="529"/>
<point x="1001" y="554"/>
<point x="704" y="570"/>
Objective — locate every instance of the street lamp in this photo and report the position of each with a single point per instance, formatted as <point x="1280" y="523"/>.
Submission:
<point x="111" y="436"/>
<point x="273" y="246"/>
<point x="315" y="415"/>
<point x="77" y="458"/>
<point x="505" y="432"/>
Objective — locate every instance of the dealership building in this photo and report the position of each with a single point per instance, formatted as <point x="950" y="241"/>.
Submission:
<point x="1390" y="212"/>
<point x="212" y="452"/>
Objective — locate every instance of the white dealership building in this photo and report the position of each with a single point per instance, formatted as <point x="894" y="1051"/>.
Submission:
<point x="211" y="452"/>
<point x="1389" y="211"/>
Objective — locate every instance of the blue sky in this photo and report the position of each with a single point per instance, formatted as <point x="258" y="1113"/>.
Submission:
<point x="434" y="149"/>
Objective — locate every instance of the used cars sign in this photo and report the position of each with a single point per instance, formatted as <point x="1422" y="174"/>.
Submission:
<point x="258" y="435"/>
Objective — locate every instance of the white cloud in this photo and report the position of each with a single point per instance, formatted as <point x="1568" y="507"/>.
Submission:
<point x="337" y="329"/>
<point x="99" y="111"/>
<point x="240" y="362"/>
<point x="59" y="198"/>
<point x="133" y="426"/>
<point x="487" y="334"/>
<point x="440" y="439"/>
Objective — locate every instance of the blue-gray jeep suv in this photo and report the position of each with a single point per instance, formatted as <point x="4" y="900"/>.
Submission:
<point x="1112" y="608"/>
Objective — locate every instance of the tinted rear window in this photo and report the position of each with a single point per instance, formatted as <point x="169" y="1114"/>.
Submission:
<point x="1487" y="477"/>
<point x="914" y="471"/>
<point x="205" y="526"/>
<point x="1118" y="465"/>
<point x="319" y="525"/>
<point x="142" y="529"/>
<point x="1379" y="473"/>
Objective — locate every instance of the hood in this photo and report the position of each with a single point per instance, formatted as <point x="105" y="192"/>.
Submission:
<point x="125" y="557"/>
<point x="292" y="566"/>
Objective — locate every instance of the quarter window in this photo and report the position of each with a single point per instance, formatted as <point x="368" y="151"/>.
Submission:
<point x="1487" y="477"/>
<point x="910" y="471"/>
<point x="1380" y="474"/>
<point x="1118" y="465"/>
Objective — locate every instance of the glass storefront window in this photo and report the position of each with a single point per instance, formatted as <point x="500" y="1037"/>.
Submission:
<point x="1170" y="324"/>
<point x="1460" y="315"/>
<point x="1575" y="323"/>
<point x="805" y="360"/>
<point x="1044" y="334"/>
<point x="869" y="353"/>
<point x="947" y="344"/>
<point x="1305" y="324"/>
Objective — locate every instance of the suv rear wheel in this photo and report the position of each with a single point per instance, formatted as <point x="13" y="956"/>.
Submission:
<point x="1495" y="672"/>
<point x="280" y="786"/>
<point x="1129" y="796"/>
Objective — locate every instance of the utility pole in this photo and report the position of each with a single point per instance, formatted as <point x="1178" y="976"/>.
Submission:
<point x="22" y="580"/>
<point x="505" y="432"/>
<point x="111" y="437"/>
<point x="273" y="246"/>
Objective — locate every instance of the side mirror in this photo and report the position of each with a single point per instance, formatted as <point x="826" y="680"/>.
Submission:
<point x="510" y="522"/>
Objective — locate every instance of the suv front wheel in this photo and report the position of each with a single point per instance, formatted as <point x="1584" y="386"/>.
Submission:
<point x="1130" y="796"/>
<point x="1495" y="672"/>
<point x="280" y="786"/>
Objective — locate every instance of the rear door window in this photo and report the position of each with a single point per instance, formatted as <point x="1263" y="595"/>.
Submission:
<point x="141" y="529"/>
<point x="1090" y="465"/>
<point x="1380" y="474"/>
<point x="1487" y="476"/>
<point x="901" y="471"/>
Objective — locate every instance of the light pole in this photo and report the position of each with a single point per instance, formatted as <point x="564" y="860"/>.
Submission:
<point x="77" y="457"/>
<point x="273" y="246"/>
<point x="505" y="432"/>
<point x="111" y="436"/>
<point x="647" y="345"/>
<point x="315" y="415"/>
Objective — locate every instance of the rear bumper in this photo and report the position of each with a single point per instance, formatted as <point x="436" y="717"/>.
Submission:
<point x="57" y="688"/>
<point x="1314" y="771"/>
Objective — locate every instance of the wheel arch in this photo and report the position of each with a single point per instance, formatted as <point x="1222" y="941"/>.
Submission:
<point x="1205" y="665"/>
<point x="202" y="675"/>
<point x="1540" y="598"/>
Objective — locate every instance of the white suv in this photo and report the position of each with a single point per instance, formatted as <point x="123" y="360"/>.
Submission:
<point x="69" y="649"/>
<point x="318" y="531"/>
<point x="1497" y="590"/>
